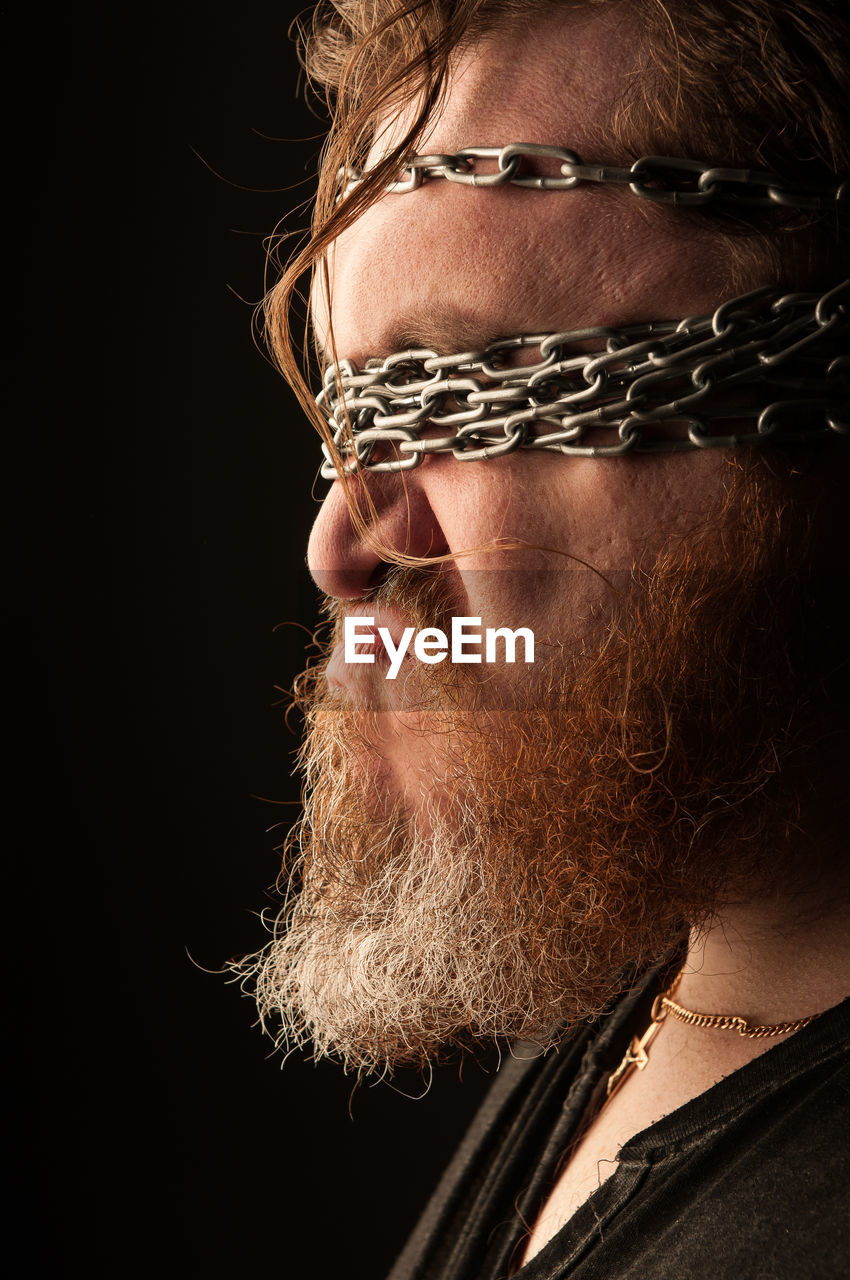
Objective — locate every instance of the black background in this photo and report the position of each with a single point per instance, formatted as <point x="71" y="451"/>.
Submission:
<point x="159" y="486"/>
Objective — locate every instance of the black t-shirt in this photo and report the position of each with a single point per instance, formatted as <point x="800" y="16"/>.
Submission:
<point x="748" y="1181"/>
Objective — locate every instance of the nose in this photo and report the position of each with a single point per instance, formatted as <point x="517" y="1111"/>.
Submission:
<point x="342" y="561"/>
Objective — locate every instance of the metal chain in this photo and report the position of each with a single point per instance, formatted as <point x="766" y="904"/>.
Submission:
<point x="733" y="1022"/>
<point x="661" y="179"/>
<point x="775" y="364"/>
<point x="637" y="1055"/>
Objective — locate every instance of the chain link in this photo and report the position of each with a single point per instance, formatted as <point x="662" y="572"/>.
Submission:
<point x="661" y="179"/>
<point x="728" y="1021"/>
<point x="776" y="364"/>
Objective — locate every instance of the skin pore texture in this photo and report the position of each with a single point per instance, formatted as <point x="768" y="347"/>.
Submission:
<point x="491" y="856"/>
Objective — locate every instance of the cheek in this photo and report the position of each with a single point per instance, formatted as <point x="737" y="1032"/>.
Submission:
<point x="604" y="514"/>
<point x="623" y="510"/>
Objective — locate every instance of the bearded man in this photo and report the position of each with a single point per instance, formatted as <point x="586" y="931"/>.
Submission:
<point x="580" y="285"/>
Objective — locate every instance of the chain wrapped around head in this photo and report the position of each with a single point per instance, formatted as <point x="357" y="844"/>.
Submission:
<point x="773" y="366"/>
<point x="661" y="179"/>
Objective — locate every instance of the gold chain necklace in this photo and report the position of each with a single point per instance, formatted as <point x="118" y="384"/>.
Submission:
<point x="731" y="1022"/>
<point x="637" y="1055"/>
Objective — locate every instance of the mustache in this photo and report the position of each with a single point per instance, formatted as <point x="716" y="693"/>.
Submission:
<point x="427" y="597"/>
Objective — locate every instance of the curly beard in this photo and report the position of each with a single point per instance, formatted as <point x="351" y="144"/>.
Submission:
<point x="563" y="840"/>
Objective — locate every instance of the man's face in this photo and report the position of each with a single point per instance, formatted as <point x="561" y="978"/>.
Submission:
<point x="452" y="268"/>
<point x="494" y="863"/>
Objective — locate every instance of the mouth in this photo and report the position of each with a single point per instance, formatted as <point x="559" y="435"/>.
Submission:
<point x="347" y="676"/>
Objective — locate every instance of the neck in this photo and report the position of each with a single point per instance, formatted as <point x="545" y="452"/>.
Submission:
<point x="771" y="958"/>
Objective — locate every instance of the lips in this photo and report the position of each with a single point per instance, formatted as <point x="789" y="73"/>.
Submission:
<point x="343" y="675"/>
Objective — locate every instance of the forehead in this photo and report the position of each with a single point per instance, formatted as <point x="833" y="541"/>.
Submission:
<point x="554" y="74"/>
<point x="565" y="67"/>
<point x="453" y="267"/>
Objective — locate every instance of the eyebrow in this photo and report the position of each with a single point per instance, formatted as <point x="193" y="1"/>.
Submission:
<point x="446" y="328"/>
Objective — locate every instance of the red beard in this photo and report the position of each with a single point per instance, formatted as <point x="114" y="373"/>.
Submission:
<point x="566" y="835"/>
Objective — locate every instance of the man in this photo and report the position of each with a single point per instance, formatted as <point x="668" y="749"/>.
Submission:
<point x="624" y="858"/>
